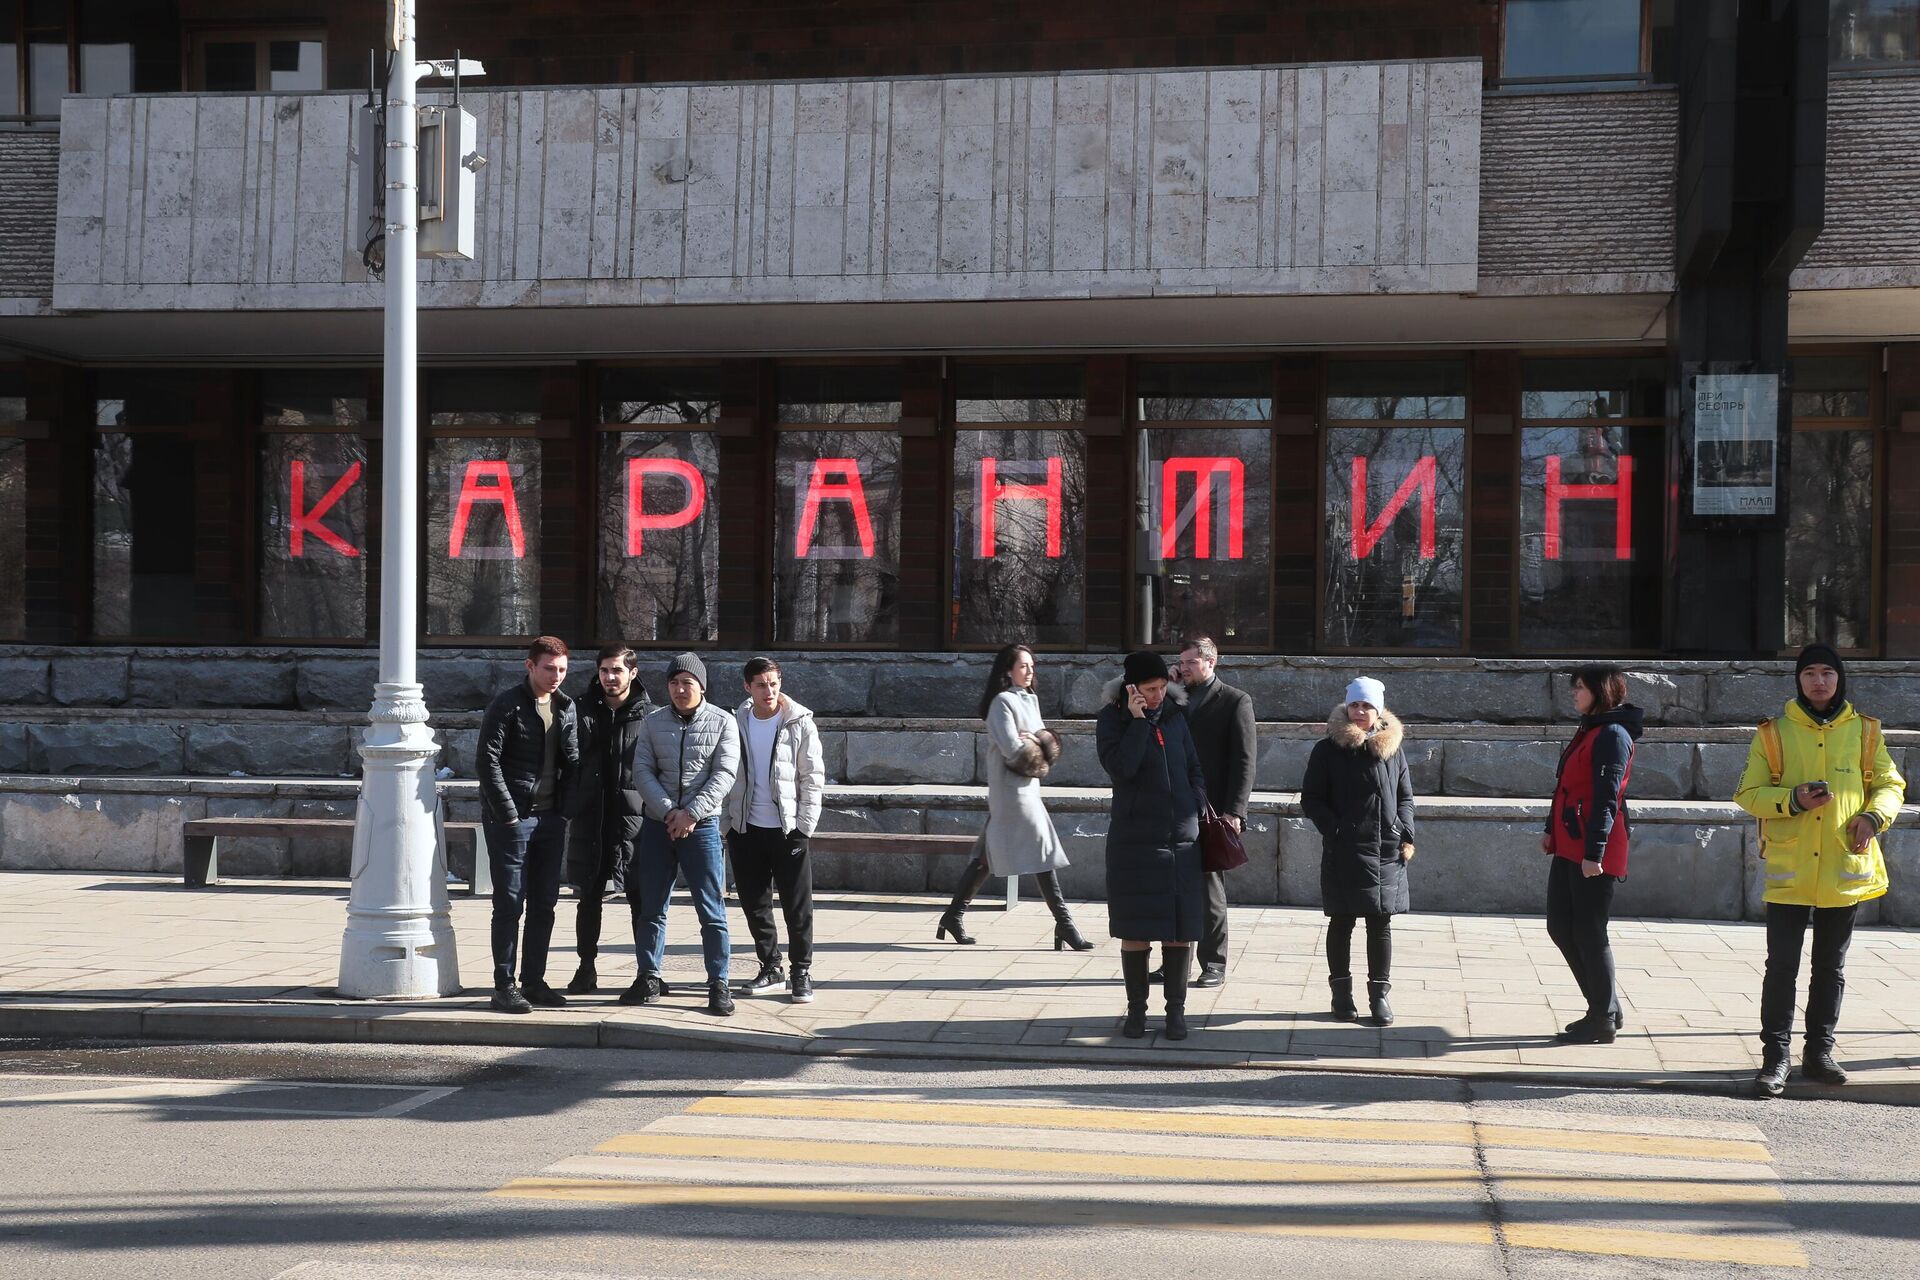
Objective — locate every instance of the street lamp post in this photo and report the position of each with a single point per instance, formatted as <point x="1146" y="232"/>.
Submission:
<point x="399" y="937"/>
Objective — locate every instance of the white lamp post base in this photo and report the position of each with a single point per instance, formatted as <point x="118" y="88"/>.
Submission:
<point x="399" y="939"/>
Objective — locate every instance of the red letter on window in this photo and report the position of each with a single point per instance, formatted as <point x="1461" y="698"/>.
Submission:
<point x="307" y="521"/>
<point x="1425" y="474"/>
<point x="845" y="489"/>
<point x="1620" y="491"/>
<point x="497" y="487"/>
<point x="638" y="521"/>
<point x="1203" y="470"/>
<point x="993" y="490"/>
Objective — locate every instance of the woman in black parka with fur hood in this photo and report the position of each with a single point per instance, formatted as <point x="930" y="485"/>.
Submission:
<point x="1156" y="889"/>
<point x="1359" y="795"/>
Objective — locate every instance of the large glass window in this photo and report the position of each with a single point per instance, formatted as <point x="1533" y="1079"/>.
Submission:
<point x="836" y="563"/>
<point x="1209" y="504"/>
<point x="313" y="563"/>
<point x="659" y="539"/>
<point x="1203" y="391"/>
<point x="1019" y="393"/>
<point x="483" y="397"/>
<point x="315" y="490"/>
<point x="1830" y="494"/>
<point x="1395" y="559"/>
<point x="483" y="536"/>
<point x="838" y="395"/>
<point x="1396" y="390"/>
<point x="1590" y="493"/>
<point x="49" y="48"/>
<point x="1870" y="33"/>
<point x="1019" y="536"/>
<point x="259" y="61"/>
<point x="1569" y="43"/>
<point x="144" y="516"/>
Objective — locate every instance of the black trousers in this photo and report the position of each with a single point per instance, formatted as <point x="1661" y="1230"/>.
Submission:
<point x="1579" y="908"/>
<point x="586" y="918"/>
<point x="765" y="859"/>
<point x="526" y="858"/>
<point x="1379" y="947"/>
<point x="1213" y="943"/>
<point x="1786" y="931"/>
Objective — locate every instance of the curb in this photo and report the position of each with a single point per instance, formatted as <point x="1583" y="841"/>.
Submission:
<point x="413" y="1024"/>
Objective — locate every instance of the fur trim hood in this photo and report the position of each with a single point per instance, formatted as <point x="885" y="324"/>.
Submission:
<point x="1115" y="692"/>
<point x="1348" y="736"/>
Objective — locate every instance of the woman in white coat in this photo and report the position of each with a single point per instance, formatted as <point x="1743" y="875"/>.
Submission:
<point x="1020" y="839"/>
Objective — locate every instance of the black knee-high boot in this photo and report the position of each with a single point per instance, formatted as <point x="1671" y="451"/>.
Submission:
<point x="1065" y="934"/>
<point x="970" y="881"/>
<point x="1176" y="990"/>
<point x="1133" y="967"/>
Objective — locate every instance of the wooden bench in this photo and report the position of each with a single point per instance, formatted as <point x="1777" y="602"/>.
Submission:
<point x="200" y="843"/>
<point x="896" y="842"/>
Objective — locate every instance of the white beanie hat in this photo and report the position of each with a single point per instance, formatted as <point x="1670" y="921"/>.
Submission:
<point x="1368" y="690"/>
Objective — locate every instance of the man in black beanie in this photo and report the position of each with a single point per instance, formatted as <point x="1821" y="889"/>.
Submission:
<point x="1825" y="790"/>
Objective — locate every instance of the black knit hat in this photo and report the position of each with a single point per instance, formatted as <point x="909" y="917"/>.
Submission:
<point x="1144" y="665"/>
<point x="689" y="663"/>
<point x="1821" y="655"/>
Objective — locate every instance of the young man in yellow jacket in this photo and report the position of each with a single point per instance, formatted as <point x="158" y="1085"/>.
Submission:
<point x="1825" y="789"/>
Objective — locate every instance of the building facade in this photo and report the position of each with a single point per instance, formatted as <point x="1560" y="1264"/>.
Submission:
<point x="1510" y="329"/>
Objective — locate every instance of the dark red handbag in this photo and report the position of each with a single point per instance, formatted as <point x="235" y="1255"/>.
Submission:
<point x="1220" y="847"/>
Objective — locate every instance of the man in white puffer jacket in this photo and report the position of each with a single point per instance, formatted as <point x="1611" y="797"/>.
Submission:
<point x="771" y="812"/>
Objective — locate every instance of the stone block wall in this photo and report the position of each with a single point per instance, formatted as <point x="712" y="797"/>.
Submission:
<point x="1346" y="179"/>
<point x="1696" y="861"/>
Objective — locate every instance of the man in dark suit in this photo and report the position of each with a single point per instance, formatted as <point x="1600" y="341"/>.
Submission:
<point x="1221" y="718"/>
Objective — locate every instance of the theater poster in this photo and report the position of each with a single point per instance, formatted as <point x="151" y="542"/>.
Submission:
<point x="1736" y="436"/>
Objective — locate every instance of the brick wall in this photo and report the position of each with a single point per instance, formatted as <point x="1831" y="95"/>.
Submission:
<point x="1577" y="184"/>
<point x="29" y="187"/>
<point x="1872" y="229"/>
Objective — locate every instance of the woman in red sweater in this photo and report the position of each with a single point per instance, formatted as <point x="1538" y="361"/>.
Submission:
<point x="1587" y="836"/>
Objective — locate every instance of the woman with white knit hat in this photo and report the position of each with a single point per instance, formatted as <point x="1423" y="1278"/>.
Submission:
<point x="1359" y="795"/>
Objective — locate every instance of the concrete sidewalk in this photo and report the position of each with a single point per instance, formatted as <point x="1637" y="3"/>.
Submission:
<point x="1478" y="996"/>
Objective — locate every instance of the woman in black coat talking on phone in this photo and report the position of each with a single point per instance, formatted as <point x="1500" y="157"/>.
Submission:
<point x="1156" y="889"/>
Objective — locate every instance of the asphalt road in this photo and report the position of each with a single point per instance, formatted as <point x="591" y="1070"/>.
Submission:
<point x="382" y="1163"/>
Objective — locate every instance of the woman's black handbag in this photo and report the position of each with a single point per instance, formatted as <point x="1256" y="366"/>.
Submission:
<point x="1036" y="755"/>
<point x="1220" y="847"/>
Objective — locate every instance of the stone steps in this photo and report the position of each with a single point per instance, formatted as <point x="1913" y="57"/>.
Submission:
<point x="1691" y="859"/>
<point x="1673" y="762"/>
<point x="1284" y="687"/>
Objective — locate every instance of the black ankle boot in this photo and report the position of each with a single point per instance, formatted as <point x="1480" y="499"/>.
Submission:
<point x="1133" y="968"/>
<point x="585" y="981"/>
<point x="950" y="924"/>
<point x="1343" y="1008"/>
<point x="1175" y="985"/>
<point x="1377" y="1005"/>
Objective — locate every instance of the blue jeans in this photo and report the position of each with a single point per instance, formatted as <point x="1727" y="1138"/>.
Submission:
<point x="526" y="858"/>
<point x="698" y="857"/>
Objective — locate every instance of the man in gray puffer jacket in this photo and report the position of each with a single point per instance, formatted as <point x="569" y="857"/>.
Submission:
<point x="684" y="765"/>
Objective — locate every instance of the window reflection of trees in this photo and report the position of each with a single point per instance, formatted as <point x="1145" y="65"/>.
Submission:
<point x="1227" y="598"/>
<point x="1830" y="539"/>
<point x="1589" y="598"/>
<point x="487" y="591"/>
<point x="322" y="593"/>
<point x="846" y="598"/>
<point x="671" y="590"/>
<point x="1021" y="593"/>
<point x="112" y="534"/>
<point x="13" y="538"/>
<point x="1395" y="597"/>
